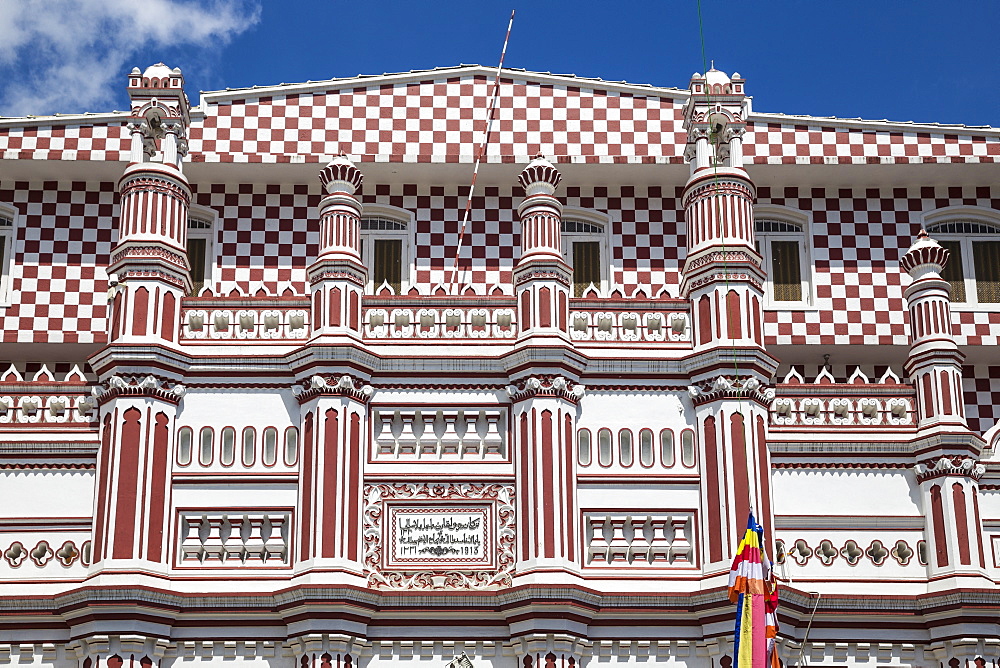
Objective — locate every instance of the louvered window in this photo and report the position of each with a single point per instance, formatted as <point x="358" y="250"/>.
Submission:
<point x="6" y="250"/>
<point x="387" y="265"/>
<point x="782" y="244"/>
<point x="586" y="266"/>
<point x="973" y="268"/>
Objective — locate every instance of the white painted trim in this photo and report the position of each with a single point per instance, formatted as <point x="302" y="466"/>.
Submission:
<point x="604" y="239"/>
<point x="7" y="259"/>
<point x="972" y="213"/>
<point x="209" y="216"/>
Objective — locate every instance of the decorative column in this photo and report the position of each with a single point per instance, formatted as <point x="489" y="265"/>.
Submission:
<point x="724" y="280"/>
<point x="544" y="429"/>
<point x="947" y="471"/>
<point x="131" y="518"/>
<point x="541" y="277"/>
<point x="150" y="260"/>
<point x="334" y="432"/>
<point x="337" y="277"/>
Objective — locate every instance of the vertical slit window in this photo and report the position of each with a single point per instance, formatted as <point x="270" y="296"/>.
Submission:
<point x="196" y="250"/>
<point x="687" y="449"/>
<point x="270" y="446"/>
<point x="184" y="437"/>
<point x="625" y="447"/>
<point x="291" y="446"/>
<point x="249" y="446"/>
<point x="646" y="448"/>
<point x="586" y="266"/>
<point x="786" y="274"/>
<point x="388" y="264"/>
<point x="604" y="447"/>
<point x="205" y="452"/>
<point x="583" y="447"/>
<point x="228" y="449"/>
<point x="953" y="270"/>
<point x="667" y="448"/>
<point x="986" y="261"/>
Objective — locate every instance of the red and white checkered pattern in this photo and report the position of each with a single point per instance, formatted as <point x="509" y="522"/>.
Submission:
<point x="981" y="384"/>
<point x="440" y="118"/>
<point x="64" y="240"/>
<point x="779" y="143"/>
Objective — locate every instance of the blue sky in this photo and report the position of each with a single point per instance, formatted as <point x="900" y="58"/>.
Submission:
<point x="916" y="60"/>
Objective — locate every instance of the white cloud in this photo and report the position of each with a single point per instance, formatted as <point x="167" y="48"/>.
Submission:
<point x="73" y="55"/>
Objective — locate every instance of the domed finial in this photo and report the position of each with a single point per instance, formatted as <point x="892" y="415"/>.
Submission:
<point x="540" y="177"/>
<point x="924" y="257"/>
<point x="341" y="175"/>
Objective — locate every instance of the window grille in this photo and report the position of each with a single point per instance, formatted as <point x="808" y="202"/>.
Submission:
<point x="388" y="263"/>
<point x="381" y="224"/>
<point x="786" y="274"/>
<point x="586" y="266"/>
<point x="953" y="272"/>
<point x="198" y="224"/>
<point x="6" y="222"/>
<point x="963" y="227"/>
<point x="766" y="225"/>
<point x="581" y="227"/>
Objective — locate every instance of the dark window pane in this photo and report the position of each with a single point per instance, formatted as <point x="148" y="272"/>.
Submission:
<point x="786" y="274"/>
<point x="586" y="266"/>
<point x="986" y="258"/>
<point x="388" y="263"/>
<point x="196" y="249"/>
<point x="953" y="270"/>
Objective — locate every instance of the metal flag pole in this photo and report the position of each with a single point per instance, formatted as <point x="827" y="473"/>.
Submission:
<point x="479" y="155"/>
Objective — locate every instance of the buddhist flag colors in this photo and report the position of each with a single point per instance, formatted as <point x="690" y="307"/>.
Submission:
<point x="752" y="588"/>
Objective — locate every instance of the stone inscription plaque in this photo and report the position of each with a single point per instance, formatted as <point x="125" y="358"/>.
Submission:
<point x="456" y="536"/>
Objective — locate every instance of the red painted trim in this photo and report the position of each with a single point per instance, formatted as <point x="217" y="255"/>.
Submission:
<point x="317" y="310"/>
<point x="734" y="315"/>
<point x="946" y="392"/>
<point x="741" y="468"/>
<point x="764" y="468"/>
<point x="102" y="490"/>
<point x="712" y="491"/>
<point x="962" y="522"/>
<point x="569" y="485"/>
<point x="305" y="504"/>
<point x="937" y="517"/>
<point x="335" y="299"/>
<point x="158" y="488"/>
<point x="978" y="527"/>
<point x="354" y="496"/>
<point x="525" y="519"/>
<point x="525" y="322"/>
<point x="140" y="312"/>
<point x="704" y="320"/>
<point x="168" y="317"/>
<point x="544" y="307"/>
<point x="547" y="508"/>
<point x="757" y="335"/>
<point x="330" y="493"/>
<point x="563" y="311"/>
<point x="925" y="383"/>
<point x="127" y="483"/>
<point x="355" y="310"/>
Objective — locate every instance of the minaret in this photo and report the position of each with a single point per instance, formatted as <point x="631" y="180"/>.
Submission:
<point x="150" y="261"/>
<point x="541" y="277"/>
<point x="337" y="277"/>
<point x="947" y="471"/>
<point x="724" y="280"/>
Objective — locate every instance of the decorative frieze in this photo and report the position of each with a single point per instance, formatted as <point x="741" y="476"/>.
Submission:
<point x="342" y="386"/>
<point x="447" y="434"/>
<point x="957" y="466"/>
<point x="739" y="388"/>
<point x="233" y="539"/>
<point x="439" y="535"/>
<point x="639" y="540"/>
<point x="546" y="386"/>
<point x="144" y="386"/>
<point x="43" y="553"/>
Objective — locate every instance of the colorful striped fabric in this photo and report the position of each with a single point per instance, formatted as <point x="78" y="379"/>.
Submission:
<point x="753" y="589"/>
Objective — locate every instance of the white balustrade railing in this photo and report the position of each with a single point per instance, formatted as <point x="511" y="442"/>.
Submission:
<point x="453" y="322"/>
<point x="639" y="325"/>
<point x="268" y="324"/>
<point x="405" y="434"/>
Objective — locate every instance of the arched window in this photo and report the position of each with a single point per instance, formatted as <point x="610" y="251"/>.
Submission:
<point x="386" y="240"/>
<point x="783" y="242"/>
<point x="972" y="236"/>
<point x="8" y="235"/>
<point x="201" y="246"/>
<point x="586" y="247"/>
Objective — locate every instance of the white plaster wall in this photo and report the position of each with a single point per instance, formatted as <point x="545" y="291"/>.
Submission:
<point x="845" y="492"/>
<point x="46" y="493"/>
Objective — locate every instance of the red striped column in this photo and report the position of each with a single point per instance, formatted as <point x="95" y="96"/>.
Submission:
<point x="949" y="492"/>
<point x="337" y="277"/>
<point x="132" y="494"/>
<point x="544" y="413"/>
<point x="334" y="430"/>
<point x="541" y="276"/>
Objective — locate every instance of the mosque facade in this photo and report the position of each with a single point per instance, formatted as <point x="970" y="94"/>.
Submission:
<point x="279" y="389"/>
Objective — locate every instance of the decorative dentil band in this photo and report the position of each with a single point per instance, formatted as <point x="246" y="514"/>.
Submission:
<point x="345" y="386"/>
<point x="722" y="185"/>
<point x="335" y="274"/>
<point x="745" y="388"/>
<point x="723" y="257"/>
<point x="136" y="183"/>
<point x="546" y="386"/>
<point x="147" y="386"/>
<point x="726" y="278"/>
<point x="148" y="252"/>
<point x="558" y="275"/>
<point x="957" y="466"/>
<point x="152" y="274"/>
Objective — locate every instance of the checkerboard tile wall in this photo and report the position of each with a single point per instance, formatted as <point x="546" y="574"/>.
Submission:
<point x="65" y="232"/>
<point x="440" y="119"/>
<point x="981" y="384"/>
